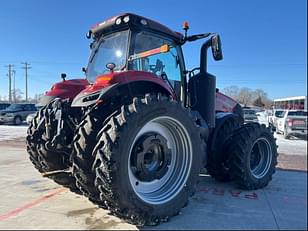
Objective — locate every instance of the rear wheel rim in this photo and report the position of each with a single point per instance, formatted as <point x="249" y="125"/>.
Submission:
<point x="168" y="166"/>
<point x="260" y="158"/>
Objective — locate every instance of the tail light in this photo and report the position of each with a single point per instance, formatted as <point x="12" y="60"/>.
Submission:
<point x="290" y="122"/>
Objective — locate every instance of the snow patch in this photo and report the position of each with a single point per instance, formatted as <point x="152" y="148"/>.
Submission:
<point x="293" y="146"/>
<point x="8" y="132"/>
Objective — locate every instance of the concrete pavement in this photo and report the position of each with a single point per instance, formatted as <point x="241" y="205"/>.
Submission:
<point x="29" y="201"/>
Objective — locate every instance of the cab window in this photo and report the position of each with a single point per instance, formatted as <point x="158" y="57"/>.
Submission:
<point x="164" y="64"/>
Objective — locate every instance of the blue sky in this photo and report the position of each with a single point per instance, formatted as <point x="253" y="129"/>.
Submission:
<point x="264" y="41"/>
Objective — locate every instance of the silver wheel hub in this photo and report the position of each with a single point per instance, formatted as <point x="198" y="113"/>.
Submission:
<point x="160" y="160"/>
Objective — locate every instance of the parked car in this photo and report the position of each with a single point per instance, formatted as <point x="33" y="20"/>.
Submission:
<point x="293" y="122"/>
<point x="16" y="113"/>
<point x="274" y="116"/>
<point x="4" y="106"/>
<point x="250" y="115"/>
<point x="262" y="117"/>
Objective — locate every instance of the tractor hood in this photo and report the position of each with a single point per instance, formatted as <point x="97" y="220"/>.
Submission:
<point x="64" y="89"/>
<point x="122" y="77"/>
<point x="106" y="82"/>
<point x="68" y="88"/>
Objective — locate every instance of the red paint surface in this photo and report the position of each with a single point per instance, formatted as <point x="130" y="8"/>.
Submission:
<point x="252" y="195"/>
<point x="71" y="88"/>
<point x="206" y="190"/>
<point x="125" y="77"/>
<point x="68" y="88"/>
<point x="219" y="191"/>
<point x="235" y="193"/>
<point x="31" y="204"/>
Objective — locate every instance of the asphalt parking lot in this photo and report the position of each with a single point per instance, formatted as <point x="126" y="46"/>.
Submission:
<point x="29" y="201"/>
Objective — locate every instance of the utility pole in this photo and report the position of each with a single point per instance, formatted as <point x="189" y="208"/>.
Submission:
<point x="10" y="66"/>
<point x="14" y="88"/>
<point x="26" y="67"/>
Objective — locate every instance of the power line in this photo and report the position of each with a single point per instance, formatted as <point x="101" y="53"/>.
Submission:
<point x="26" y="67"/>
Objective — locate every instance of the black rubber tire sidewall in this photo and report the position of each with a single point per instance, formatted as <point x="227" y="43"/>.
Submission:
<point x="45" y="160"/>
<point x="16" y="119"/>
<point x="127" y="198"/>
<point x="137" y="121"/>
<point x="217" y="153"/>
<point x="244" y="177"/>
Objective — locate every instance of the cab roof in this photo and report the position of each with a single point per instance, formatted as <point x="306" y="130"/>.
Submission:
<point x="133" y="21"/>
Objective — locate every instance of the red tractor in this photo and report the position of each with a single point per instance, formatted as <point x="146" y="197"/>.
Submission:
<point x="134" y="135"/>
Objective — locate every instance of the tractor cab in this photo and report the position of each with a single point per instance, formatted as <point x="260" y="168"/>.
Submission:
<point x="133" y="43"/>
<point x="130" y="42"/>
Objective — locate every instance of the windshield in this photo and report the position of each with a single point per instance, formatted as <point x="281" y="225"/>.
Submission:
<point x="279" y="114"/>
<point x="111" y="49"/>
<point x="14" y="107"/>
<point x="297" y="113"/>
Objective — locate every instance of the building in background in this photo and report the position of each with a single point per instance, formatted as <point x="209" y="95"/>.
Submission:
<point x="296" y="102"/>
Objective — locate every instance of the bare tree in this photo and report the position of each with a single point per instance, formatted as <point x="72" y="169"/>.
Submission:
<point x="17" y="93"/>
<point x="245" y="96"/>
<point x="261" y="95"/>
<point x="258" y="102"/>
<point x="231" y="91"/>
<point x="35" y="99"/>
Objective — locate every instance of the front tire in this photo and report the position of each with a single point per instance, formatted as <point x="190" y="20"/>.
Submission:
<point x="17" y="120"/>
<point x="147" y="160"/>
<point x="253" y="154"/>
<point x="45" y="160"/>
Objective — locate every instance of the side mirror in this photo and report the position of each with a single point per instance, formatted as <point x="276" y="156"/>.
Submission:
<point x="110" y="66"/>
<point x="216" y="47"/>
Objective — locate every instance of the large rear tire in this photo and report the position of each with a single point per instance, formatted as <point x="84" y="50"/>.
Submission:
<point x="148" y="158"/>
<point x="253" y="154"/>
<point x="45" y="160"/>
<point x="217" y="156"/>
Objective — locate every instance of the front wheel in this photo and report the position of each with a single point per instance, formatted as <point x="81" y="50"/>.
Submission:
<point x="43" y="159"/>
<point x="147" y="160"/>
<point x="253" y="154"/>
<point x="17" y="120"/>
